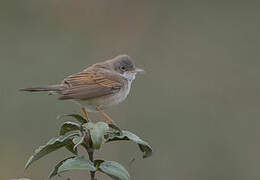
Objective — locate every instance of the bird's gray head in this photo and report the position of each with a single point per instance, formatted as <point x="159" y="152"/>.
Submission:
<point x="124" y="65"/>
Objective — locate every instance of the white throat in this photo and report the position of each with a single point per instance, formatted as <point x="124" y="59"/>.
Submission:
<point x="129" y="76"/>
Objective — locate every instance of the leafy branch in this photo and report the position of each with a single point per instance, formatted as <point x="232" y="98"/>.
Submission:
<point x="90" y="136"/>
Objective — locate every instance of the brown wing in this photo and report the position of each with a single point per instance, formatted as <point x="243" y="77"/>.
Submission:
<point x="90" y="84"/>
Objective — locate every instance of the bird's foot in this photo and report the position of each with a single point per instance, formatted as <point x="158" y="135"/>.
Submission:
<point x="85" y="113"/>
<point x="109" y="120"/>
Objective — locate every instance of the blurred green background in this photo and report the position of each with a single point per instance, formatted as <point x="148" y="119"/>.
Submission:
<point x="197" y="105"/>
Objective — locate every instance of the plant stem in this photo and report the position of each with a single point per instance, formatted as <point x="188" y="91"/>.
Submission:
<point x="91" y="158"/>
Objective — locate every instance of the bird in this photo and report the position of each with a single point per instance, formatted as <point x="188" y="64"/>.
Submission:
<point x="97" y="87"/>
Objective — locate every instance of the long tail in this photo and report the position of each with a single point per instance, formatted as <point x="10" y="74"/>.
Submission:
<point x="55" y="88"/>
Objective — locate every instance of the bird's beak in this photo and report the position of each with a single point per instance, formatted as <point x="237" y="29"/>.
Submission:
<point x="137" y="70"/>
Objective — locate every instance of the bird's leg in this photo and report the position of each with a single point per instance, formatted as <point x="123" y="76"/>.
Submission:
<point x="109" y="120"/>
<point x="85" y="113"/>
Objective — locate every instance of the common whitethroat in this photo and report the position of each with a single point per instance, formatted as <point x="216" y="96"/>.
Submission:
<point x="99" y="86"/>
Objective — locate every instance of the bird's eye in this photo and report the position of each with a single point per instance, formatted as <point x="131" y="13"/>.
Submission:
<point x="123" y="68"/>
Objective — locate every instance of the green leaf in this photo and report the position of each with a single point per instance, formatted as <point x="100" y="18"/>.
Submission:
<point x="113" y="126"/>
<point x="78" y="117"/>
<point x="97" y="132"/>
<point x="113" y="169"/>
<point x="52" y="145"/>
<point x="126" y="135"/>
<point x="70" y="147"/>
<point x="78" y="141"/>
<point x="72" y="163"/>
<point x="54" y="171"/>
<point x="68" y="127"/>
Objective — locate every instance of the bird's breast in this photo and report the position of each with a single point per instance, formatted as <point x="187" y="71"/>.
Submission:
<point x="119" y="96"/>
<point x="108" y="100"/>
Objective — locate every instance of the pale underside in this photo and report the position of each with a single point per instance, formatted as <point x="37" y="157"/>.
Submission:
<point x="105" y="98"/>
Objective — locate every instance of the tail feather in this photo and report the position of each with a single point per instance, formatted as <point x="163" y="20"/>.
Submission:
<point x="56" y="88"/>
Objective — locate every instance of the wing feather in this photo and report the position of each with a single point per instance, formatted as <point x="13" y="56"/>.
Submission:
<point x="90" y="84"/>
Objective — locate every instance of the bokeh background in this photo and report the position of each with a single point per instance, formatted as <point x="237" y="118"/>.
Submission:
<point x="198" y="104"/>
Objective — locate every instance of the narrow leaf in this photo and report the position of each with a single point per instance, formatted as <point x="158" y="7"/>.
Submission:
<point x="79" y="141"/>
<point x="126" y="135"/>
<point x="115" y="170"/>
<point x="52" y="145"/>
<point x="54" y="171"/>
<point x="68" y="127"/>
<point x="72" y="163"/>
<point x="70" y="147"/>
<point x="76" y="140"/>
<point x="115" y="127"/>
